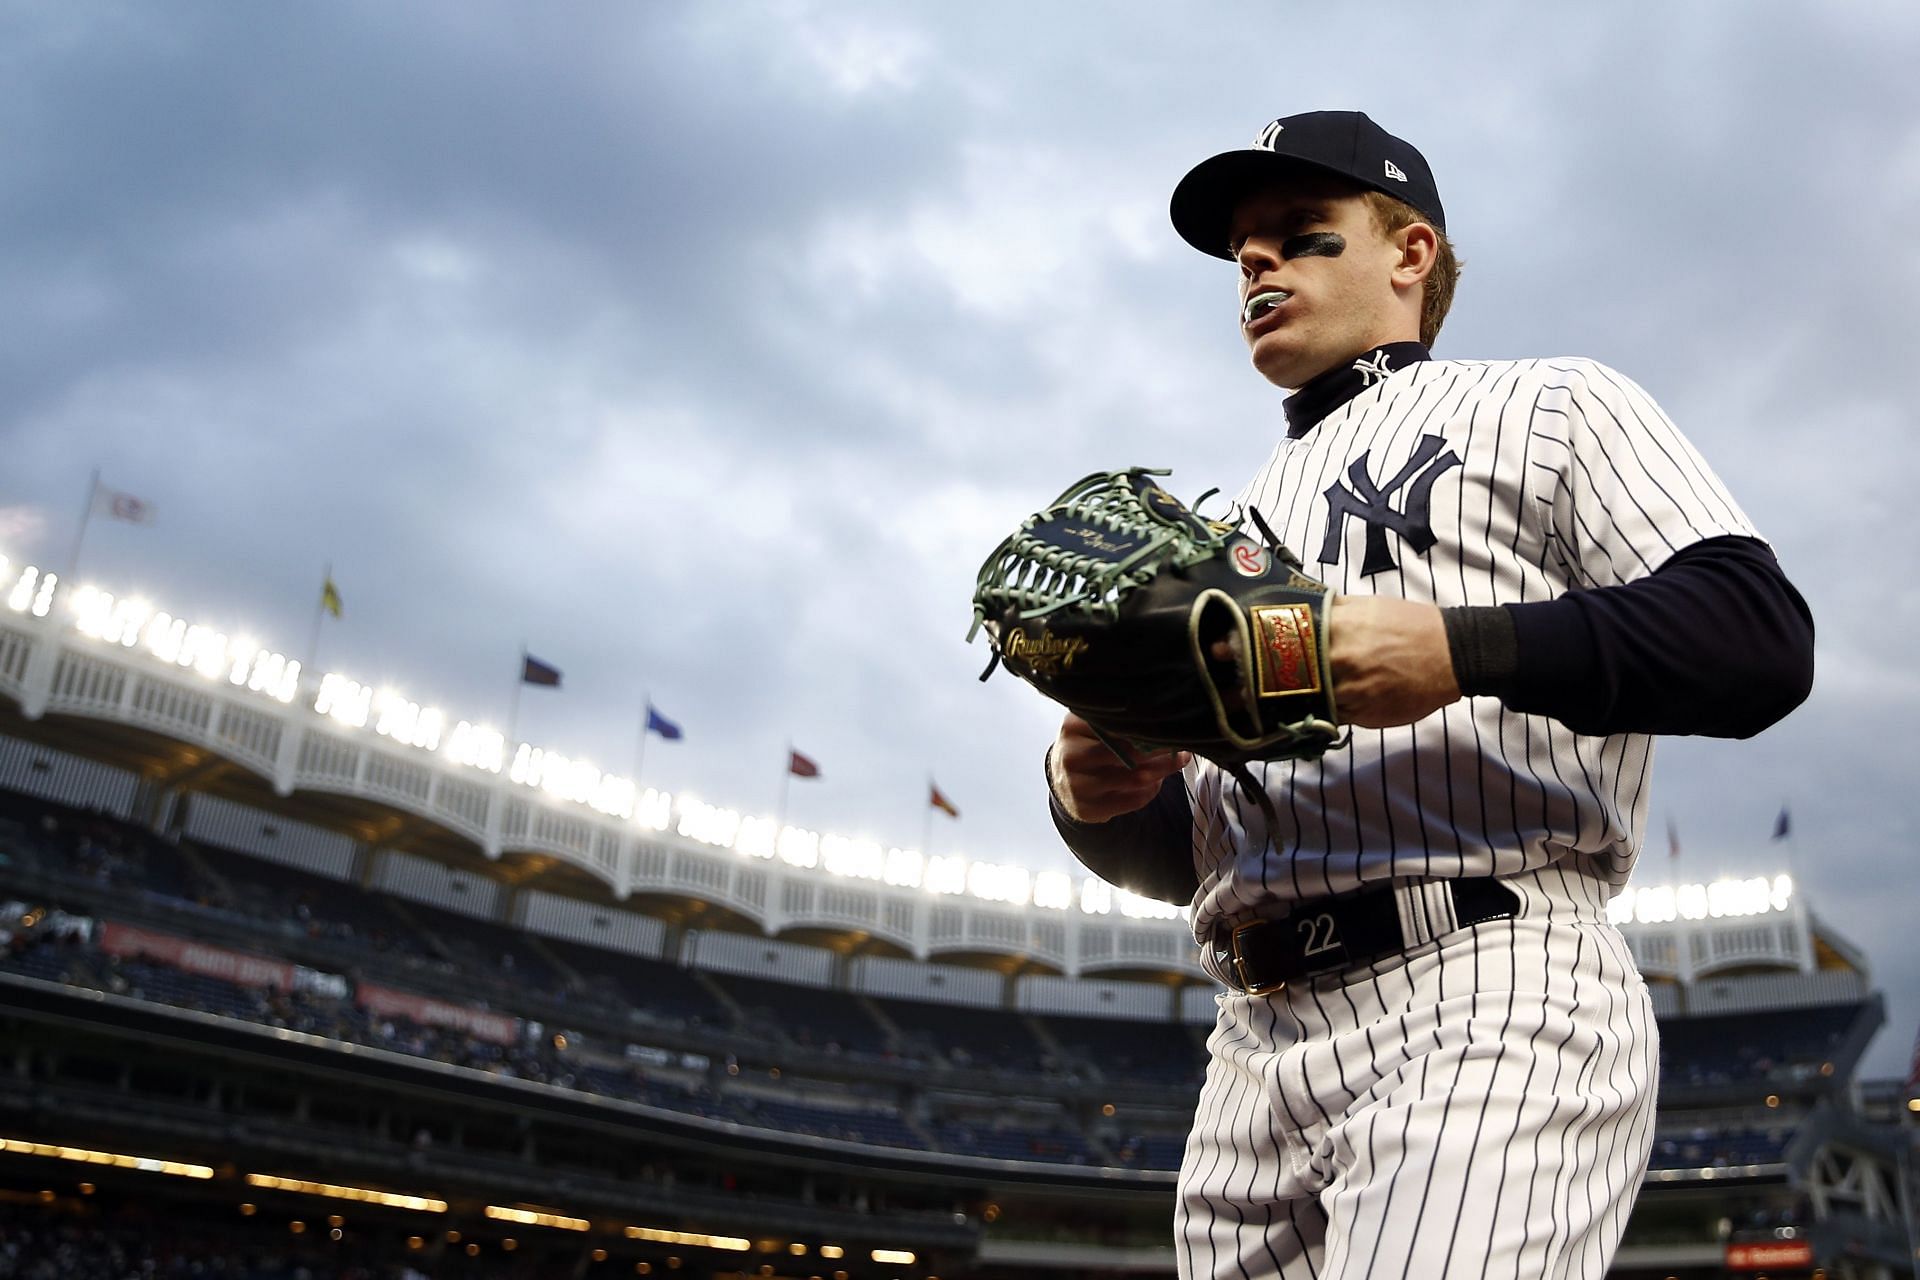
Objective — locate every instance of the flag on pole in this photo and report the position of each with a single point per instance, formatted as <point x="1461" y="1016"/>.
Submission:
<point x="800" y="766"/>
<point x="657" y="723"/>
<point x="1783" y="825"/>
<point x="122" y="505"/>
<point x="940" y="802"/>
<point x="534" y="671"/>
<point x="330" y="597"/>
<point x="1673" y="843"/>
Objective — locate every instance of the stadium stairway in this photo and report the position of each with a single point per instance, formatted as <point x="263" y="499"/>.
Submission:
<point x="568" y="975"/>
<point x="435" y="947"/>
<point x="202" y="872"/>
<point x="1051" y="1047"/>
<point x="889" y="1029"/>
<point x="737" y="1019"/>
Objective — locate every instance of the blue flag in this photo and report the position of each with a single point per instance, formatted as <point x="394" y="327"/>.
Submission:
<point x="657" y="723"/>
<point x="1783" y="825"/>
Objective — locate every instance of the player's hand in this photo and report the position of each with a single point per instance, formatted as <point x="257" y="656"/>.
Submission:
<point x="1091" y="783"/>
<point x="1390" y="661"/>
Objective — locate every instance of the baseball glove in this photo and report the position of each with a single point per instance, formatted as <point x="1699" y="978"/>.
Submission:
<point x="1114" y="602"/>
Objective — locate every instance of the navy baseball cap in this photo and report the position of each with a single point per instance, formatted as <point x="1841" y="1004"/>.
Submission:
<point x="1343" y="144"/>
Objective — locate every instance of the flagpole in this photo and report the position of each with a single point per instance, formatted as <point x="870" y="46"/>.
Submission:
<point x="86" y="514"/>
<point x="926" y="825"/>
<point x="640" y="751"/>
<point x="513" y="711"/>
<point x="319" y="612"/>
<point x="786" y="777"/>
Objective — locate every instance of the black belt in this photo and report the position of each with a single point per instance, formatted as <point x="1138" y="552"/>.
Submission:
<point x="1340" y="933"/>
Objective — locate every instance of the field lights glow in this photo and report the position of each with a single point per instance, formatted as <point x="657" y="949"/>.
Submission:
<point x="135" y="624"/>
<point x="362" y="1195"/>
<point x="82" y="1155"/>
<point x="1723" y="899"/>
<point x="733" y="1244"/>
<point x="536" y="1218"/>
<point x="476" y="747"/>
<point x="30" y="592"/>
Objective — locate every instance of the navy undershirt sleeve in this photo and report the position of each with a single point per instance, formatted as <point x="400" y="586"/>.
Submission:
<point x="1715" y="642"/>
<point x="1148" y="851"/>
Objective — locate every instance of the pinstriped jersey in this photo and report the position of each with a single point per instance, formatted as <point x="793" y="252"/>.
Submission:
<point x="1461" y="483"/>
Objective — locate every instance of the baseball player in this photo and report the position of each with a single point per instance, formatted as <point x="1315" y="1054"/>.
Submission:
<point x="1433" y="1055"/>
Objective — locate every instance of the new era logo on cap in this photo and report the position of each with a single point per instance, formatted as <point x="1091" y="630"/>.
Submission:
<point x="1339" y="144"/>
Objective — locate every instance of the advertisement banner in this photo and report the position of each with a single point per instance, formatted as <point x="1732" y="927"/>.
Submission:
<point x="1770" y="1255"/>
<point x="495" y="1028"/>
<point x="243" y="970"/>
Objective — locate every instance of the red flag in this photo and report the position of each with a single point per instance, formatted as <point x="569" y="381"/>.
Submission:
<point x="122" y="505"/>
<point x="801" y="767"/>
<point x="534" y="671"/>
<point x="940" y="802"/>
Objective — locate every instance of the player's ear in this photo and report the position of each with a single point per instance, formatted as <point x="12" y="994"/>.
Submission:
<point x="1419" y="249"/>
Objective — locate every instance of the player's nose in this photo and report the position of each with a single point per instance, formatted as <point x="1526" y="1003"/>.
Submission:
<point x="1257" y="253"/>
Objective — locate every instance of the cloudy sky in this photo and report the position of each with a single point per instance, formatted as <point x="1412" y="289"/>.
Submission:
<point x="707" y="349"/>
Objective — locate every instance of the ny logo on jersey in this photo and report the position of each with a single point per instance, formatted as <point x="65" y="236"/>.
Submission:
<point x="1370" y="502"/>
<point x="1373" y="368"/>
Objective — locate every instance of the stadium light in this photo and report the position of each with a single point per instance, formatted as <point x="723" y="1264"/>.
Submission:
<point x="361" y="1195"/>
<point x="1723" y="899"/>
<point x="1135" y="907"/>
<point x="32" y="592"/>
<point x="798" y="847"/>
<point x="945" y="875"/>
<point x="1053" y="890"/>
<point x="536" y="1218"/>
<point x="345" y="700"/>
<point x="82" y="1155"/>
<point x="993" y="882"/>
<point x="906" y="868"/>
<point x="1096" y="896"/>
<point x="856" y="859"/>
<point x="659" y="1235"/>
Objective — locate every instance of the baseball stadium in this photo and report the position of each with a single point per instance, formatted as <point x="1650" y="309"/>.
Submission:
<point x="303" y="978"/>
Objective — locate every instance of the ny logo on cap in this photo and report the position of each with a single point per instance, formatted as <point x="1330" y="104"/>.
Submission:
<point x="1393" y="171"/>
<point x="1265" y="139"/>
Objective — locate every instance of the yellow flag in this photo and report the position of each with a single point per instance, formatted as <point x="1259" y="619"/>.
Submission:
<point x="330" y="597"/>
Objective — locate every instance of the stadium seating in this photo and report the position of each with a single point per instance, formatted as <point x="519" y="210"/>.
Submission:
<point x="511" y="970"/>
<point x="486" y="953"/>
<point x="1785" y="1047"/>
<point x="968" y="1037"/>
<point x="1117" y="1049"/>
<point x="662" y="992"/>
<point x="1007" y="1140"/>
<point x="321" y="907"/>
<point x="808" y="1016"/>
<point x="94" y="847"/>
<point x="1719" y="1149"/>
